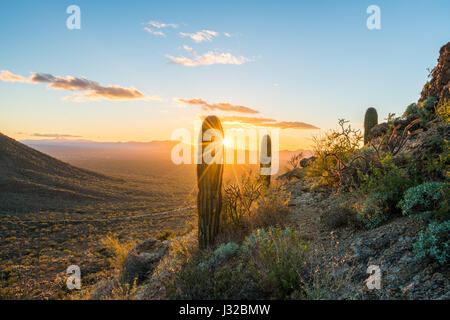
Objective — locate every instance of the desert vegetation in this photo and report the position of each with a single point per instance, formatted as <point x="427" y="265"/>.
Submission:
<point x="374" y="198"/>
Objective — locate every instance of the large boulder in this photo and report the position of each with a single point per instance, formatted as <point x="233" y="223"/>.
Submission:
<point x="378" y="130"/>
<point x="142" y="260"/>
<point x="306" y="162"/>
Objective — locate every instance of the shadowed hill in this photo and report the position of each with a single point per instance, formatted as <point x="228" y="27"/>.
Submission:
<point x="24" y="170"/>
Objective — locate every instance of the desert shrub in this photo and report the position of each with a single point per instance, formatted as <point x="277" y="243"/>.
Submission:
<point x="220" y="255"/>
<point x="247" y="205"/>
<point x="219" y="274"/>
<point x="165" y="235"/>
<point x="422" y="198"/>
<point x="436" y="164"/>
<point x="112" y="289"/>
<point x="294" y="161"/>
<point x="277" y="257"/>
<point x="410" y="111"/>
<point x="267" y="265"/>
<point x="434" y="242"/>
<point x="272" y="208"/>
<point x="384" y="187"/>
<point x="443" y="111"/>
<point x="425" y="110"/>
<point x="334" y="146"/>
<point x="239" y="200"/>
<point x="336" y="217"/>
<point x="373" y="211"/>
<point x="117" y="249"/>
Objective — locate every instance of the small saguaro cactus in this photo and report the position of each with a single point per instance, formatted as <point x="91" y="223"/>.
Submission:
<point x="370" y="121"/>
<point x="265" y="160"/>
<point x="209" y="181"/>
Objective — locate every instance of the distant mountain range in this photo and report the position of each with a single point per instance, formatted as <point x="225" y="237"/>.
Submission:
<point x="85" y="149"/>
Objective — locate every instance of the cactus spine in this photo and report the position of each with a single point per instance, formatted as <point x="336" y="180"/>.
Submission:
<point x="265" y="160"/>
<point x="209" y="181"/>
<point x="370" y="121"/>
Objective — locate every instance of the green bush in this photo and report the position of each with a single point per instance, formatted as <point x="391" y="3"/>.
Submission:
<point x="277" y="257"/>
<point x="424" y="110"/>
<point x="220" y="274"/>
<point x="434" y="242"/>
<point x="342" y="143"/>
<point x="373" y="212"/>
<point x="267" y="265"/>
<point x="411" y="111"/>
<point x="422" y="198"/>
<point x="224" y="252"/>
<point x="384" y="187"/>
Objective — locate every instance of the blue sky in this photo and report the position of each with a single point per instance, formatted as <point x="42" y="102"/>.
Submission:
<point x="303" y="61"/>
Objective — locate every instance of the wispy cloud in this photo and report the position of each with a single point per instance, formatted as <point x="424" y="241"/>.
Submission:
<point x="90" y="89"/>
<point x="54" y="135"/>
<point x="155" y="32"/>
<point x="222" y="106"/>
<point x="267" y="122"/>
<point x="209" y="58"/>
<point x="200" y="36"/>
<point x="158" y="25"/>
<point x="7" y="76"/>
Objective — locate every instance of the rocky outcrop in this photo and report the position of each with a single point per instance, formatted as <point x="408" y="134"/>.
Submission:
<point x="306" y="162"/>
<point x="390" y="247"/>
<point x="142" y="260"/>
<point x="298" y="173"/>
<point x="295" y="173"/>
<point x="344" y="253"/>
<point x="439" y="85"/>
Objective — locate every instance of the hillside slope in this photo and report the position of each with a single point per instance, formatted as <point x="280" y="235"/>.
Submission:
<point x="24" y="170"/>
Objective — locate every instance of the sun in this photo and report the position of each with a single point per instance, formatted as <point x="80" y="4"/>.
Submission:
<point x="226" y="142"/>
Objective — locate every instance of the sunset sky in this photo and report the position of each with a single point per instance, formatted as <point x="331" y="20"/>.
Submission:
<point x="137" y="70"/>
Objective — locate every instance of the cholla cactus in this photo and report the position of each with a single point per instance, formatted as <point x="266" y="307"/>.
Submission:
<point x="370" y="121"/>
<point x="266" y="152"/>
<point x="209" y="180"/>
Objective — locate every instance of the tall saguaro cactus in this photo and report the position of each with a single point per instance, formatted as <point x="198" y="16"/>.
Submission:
<point x="209" y="180"/>
<point x="265" y="160"/>
<point x="370" y="121"/>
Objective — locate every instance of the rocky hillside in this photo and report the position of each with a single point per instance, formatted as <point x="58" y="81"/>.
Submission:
<point x="439" y="86"/>
<point x="334" y="219"/>
<point x="24" y="170"/>
<point x="347" y="252"/>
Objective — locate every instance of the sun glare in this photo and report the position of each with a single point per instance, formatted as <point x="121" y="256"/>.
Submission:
<point x="226" y="142"/>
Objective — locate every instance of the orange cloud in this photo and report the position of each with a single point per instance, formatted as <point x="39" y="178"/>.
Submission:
<point x="94" y="89"/>
<point x="267" y="122"/>
<point x="54" y="135"/>
<point x="7" y="76"/>
<point x="222" y="106"/>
